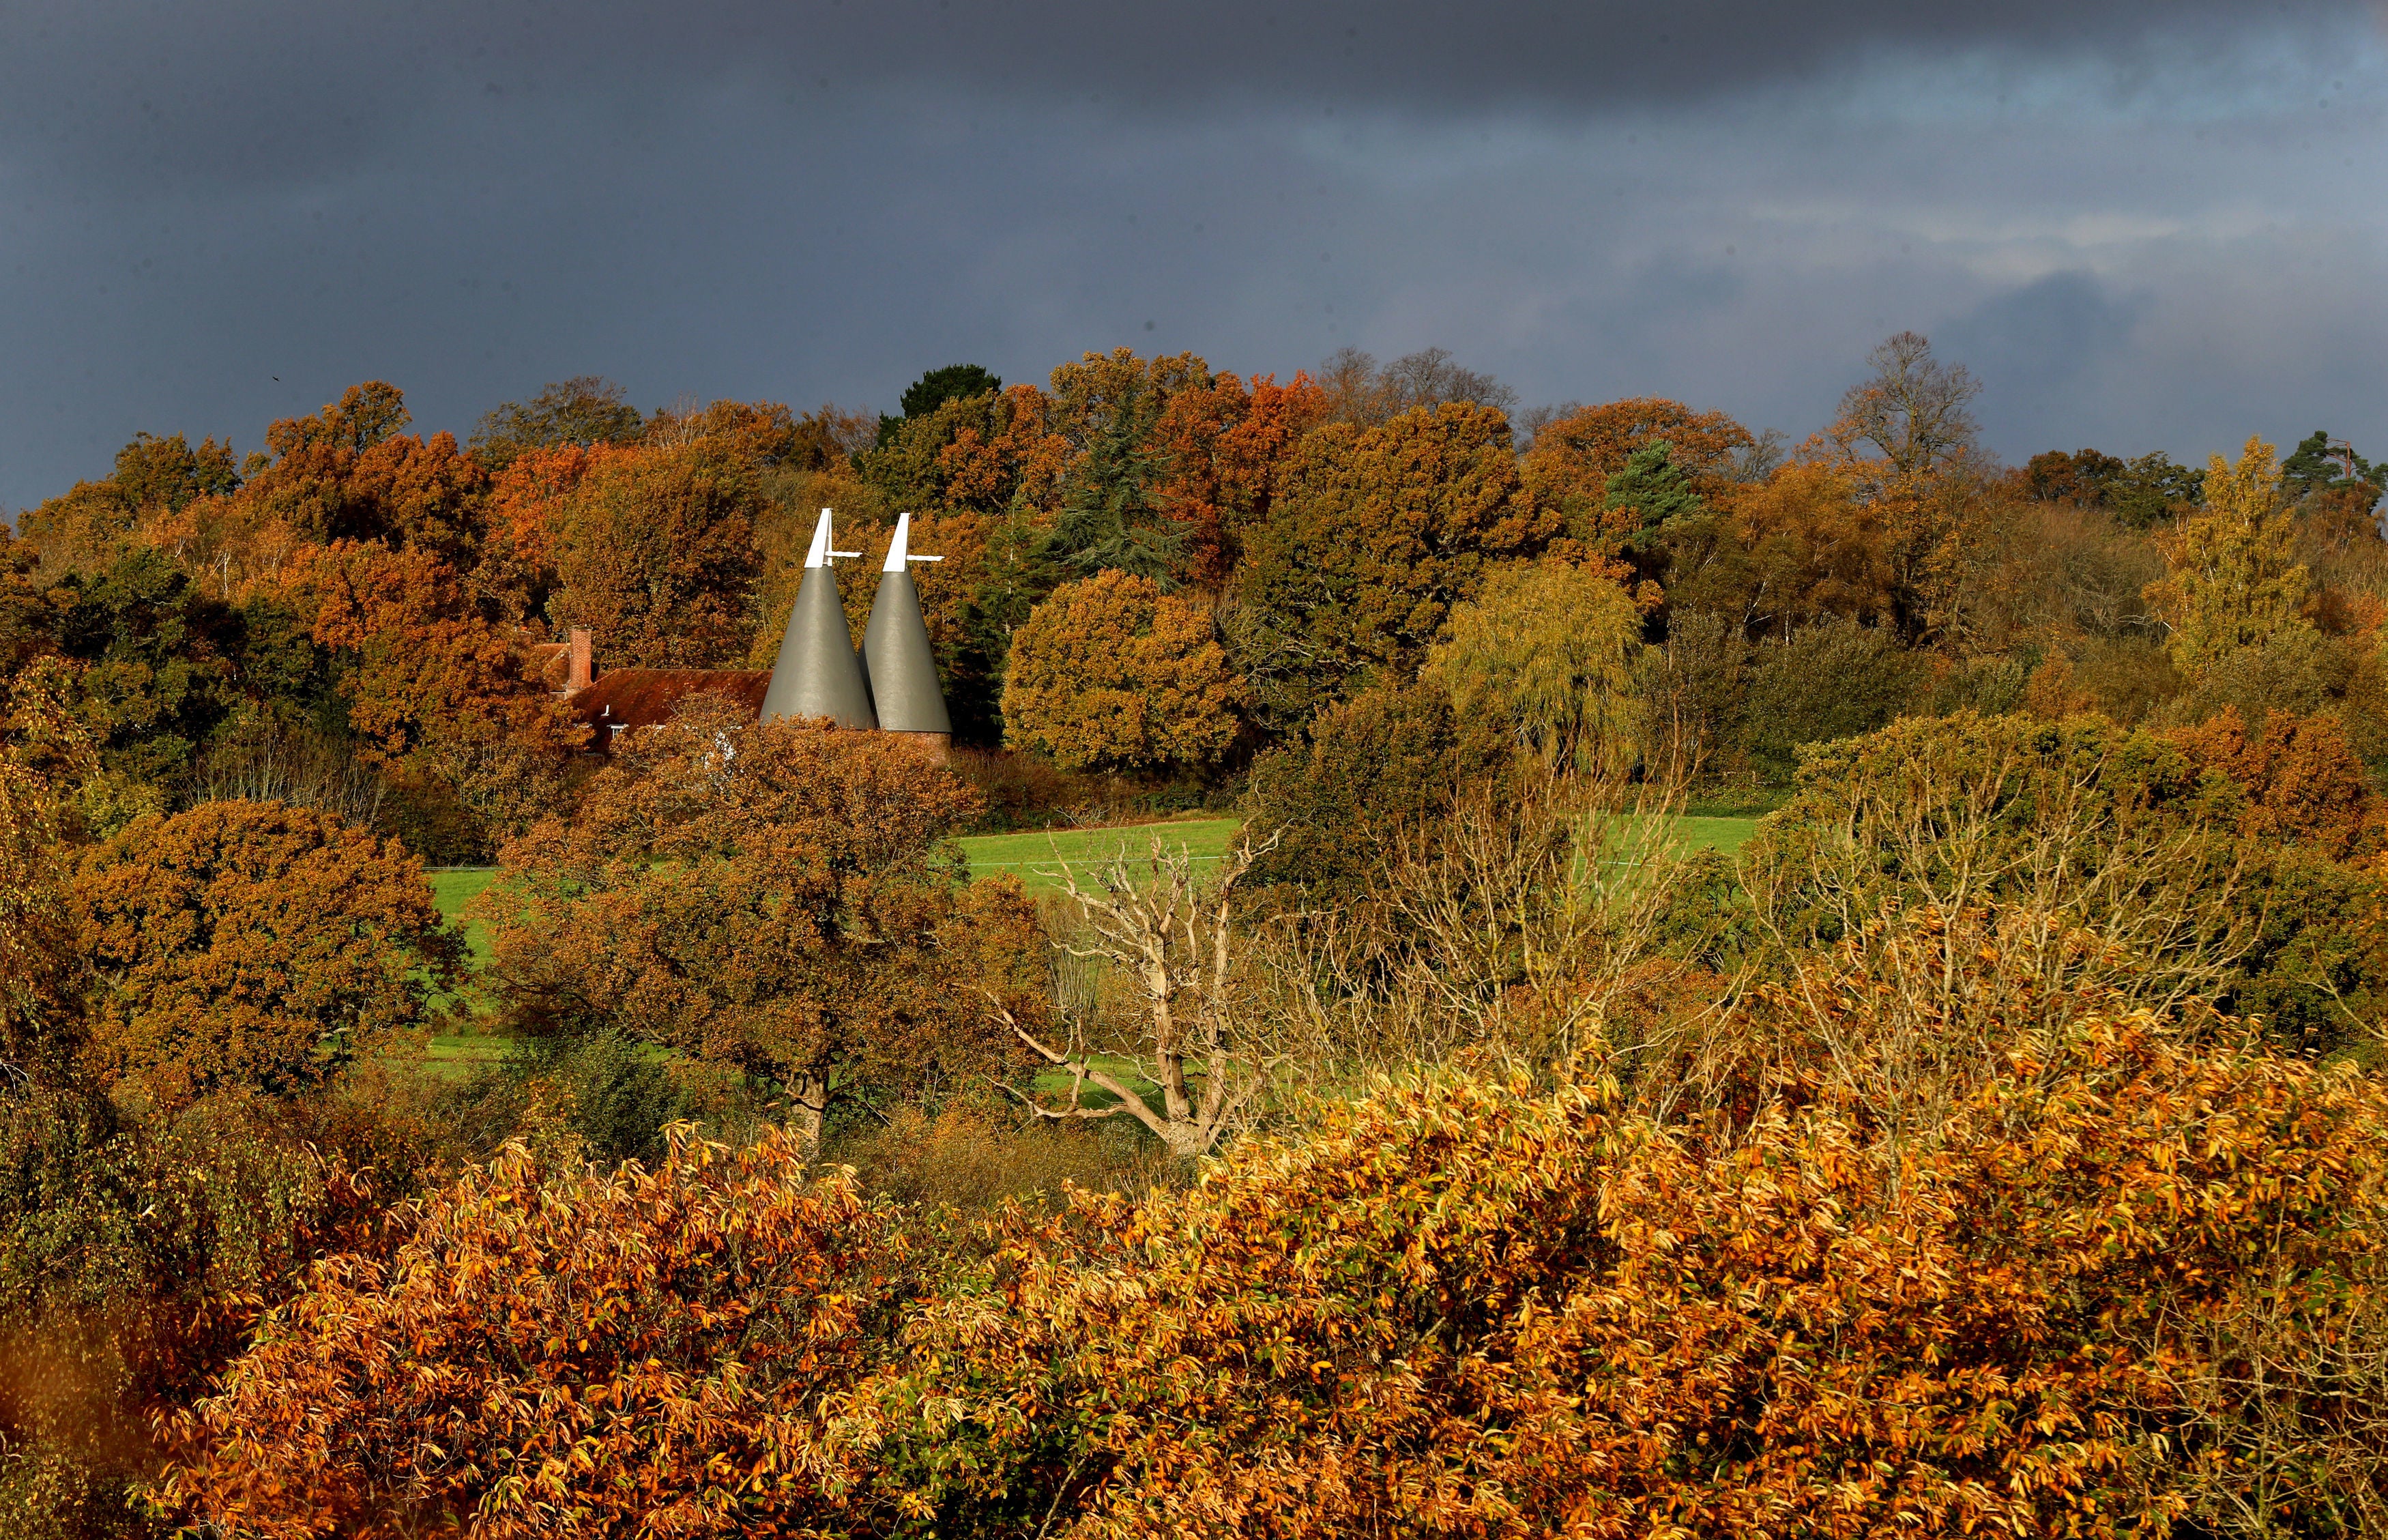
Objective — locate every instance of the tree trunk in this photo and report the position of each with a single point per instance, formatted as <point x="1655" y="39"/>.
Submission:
<point x="808" y="1101"/>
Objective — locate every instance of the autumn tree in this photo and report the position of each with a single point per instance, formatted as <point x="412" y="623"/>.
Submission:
<point x="1907" y="441"/>
<point x="350" y="473"/>
<point x="44" y="750"/>
<point x="2233" y="580"/>
<point x="1553" y="655"/>
<point x="2188" y="880"/>
<point x="252" y="944"/>
<point x="83" y="529"/>
<point x="2141" y="494"/>
<point x="1574" y="458"/>
<point x="779" y="899"/>
<point x="434" y="696"/>
<point x="28" y="612"/>
<point x="1111" y="673"/>
<point x="525" y="520"/>
<point x="1798" y="547"/>
<point x="584" y="410"/>
<point x="2300" y="780"/>
<point x="1224" y="448"/>
<point x="655" y="1352"/>
<point x="655" y="551"/>
<point x="1378" y="532"/>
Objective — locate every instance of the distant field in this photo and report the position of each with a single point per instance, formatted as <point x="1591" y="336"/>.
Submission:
<point x="1026" y="855"/>
<point x="1725" y="835"/>
<point x="452" y="890"/>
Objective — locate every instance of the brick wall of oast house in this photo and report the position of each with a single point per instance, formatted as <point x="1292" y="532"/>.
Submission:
<point x="627" y="699"/>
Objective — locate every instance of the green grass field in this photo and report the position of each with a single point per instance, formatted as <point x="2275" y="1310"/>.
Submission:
<point x="452" y="890"/>
<point x="1726" y="835"/>
<point x="1029" y="856"/>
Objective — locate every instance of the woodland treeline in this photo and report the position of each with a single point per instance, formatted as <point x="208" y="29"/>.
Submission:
<point x="1163" y="571"/>
<point x="1999" y="1142"/>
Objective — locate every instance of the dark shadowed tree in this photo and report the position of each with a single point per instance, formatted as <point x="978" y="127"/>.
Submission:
<point x="585" y="409"/>
<point x="1380" y="531"/>
<point x="2325" y="464"/>
<point x="955" y="382"/>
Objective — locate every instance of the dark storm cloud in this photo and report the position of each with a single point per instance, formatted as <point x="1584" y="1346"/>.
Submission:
<point x="246" y="92"/>
<point x="2137" y="221"/>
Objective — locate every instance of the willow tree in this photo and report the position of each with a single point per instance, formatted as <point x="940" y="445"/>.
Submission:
<point x="1553" y="654"/>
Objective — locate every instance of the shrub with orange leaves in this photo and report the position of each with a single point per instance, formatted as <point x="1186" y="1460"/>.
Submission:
<point x="1466" y="1307"/>
<point x="566" y="1351"/>
<point x="2301" y="778"/>
<point x="2105" y="1269"/>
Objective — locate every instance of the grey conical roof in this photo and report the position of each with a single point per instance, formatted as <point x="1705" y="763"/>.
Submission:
<point x="896" y="655"/>
<point x="817" y="674"/>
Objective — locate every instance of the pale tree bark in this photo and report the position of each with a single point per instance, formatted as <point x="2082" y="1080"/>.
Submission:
<point x="1171" y="937"/>
<point x="807" y="1103"/>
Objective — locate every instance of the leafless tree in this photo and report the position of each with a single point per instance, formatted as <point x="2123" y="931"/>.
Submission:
<point x="1359" y="390"/>
<point x="265" y="760"/>
<point x="1913" y="410"/>
<point x="1171" y="939"/>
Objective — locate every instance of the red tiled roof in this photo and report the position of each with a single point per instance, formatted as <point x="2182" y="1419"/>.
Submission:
<point x="644" y="697"/>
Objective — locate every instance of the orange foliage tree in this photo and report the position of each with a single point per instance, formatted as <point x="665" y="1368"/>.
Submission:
<point x="778" y="898"/>
<point x="1798" y="547"/>
<point x="526" y="510"/>
<point x="1111" y="673"/>
<point x="655" y="551"/>
<point x="571" y="1351"/>
<point x="1222" y="448"/>
<point x="251" y="944"/>
<point x="2302" y="780"/>
<point x="349" y="473"/>
<point x="435" y="692"/>
<point x="1571" y="458"/>
<point x="1378" y="531"/>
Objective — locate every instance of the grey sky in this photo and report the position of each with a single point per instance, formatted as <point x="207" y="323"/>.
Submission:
<point x="2143" y="225"/>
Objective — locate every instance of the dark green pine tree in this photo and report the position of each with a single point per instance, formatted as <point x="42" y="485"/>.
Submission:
<point x="2318" y="466"/>
<point x="1107" y="519"/>
<point x="1653" y="484"/>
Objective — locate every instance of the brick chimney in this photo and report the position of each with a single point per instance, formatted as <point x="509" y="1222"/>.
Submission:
<point x="580" y="669"/>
